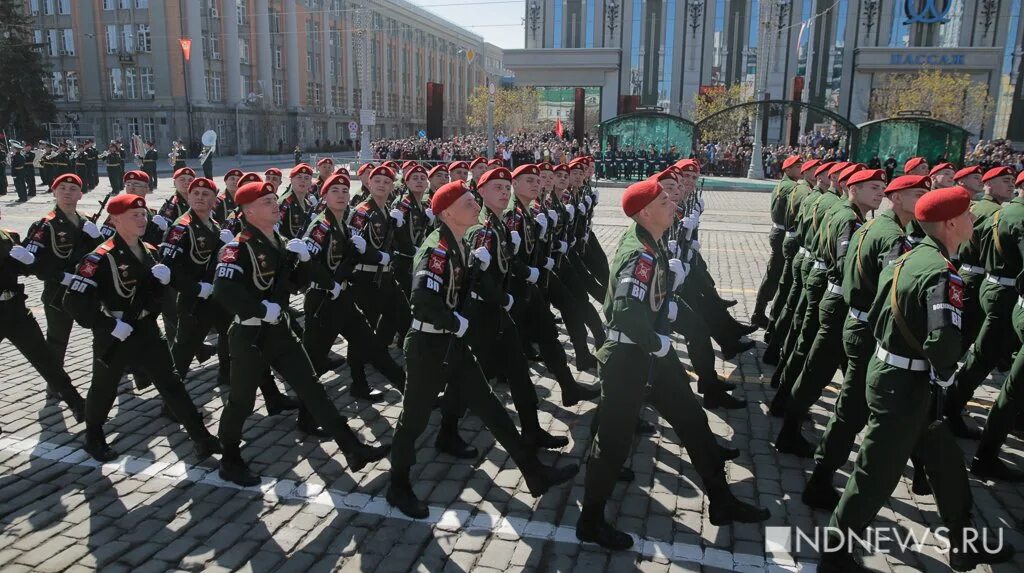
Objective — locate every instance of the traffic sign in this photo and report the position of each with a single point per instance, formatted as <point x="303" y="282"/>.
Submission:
<point x="423" y="134"/>
<point x="353" y="127"/>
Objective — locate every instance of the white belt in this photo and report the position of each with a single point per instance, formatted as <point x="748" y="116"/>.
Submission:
<point x="804" y="251"/>
<point x="372" y="268"/>
<point x="859" y="315"/>
<point x="428" y="328"/>
<point x="1004" y="281"/>
<point x="912" y="364"/>
<point x="119" y="314"/>
<point x="972" y="270"/>
<point x="820" y="265"/>
<point x="248" y="321"/>
<point x="779" y="227"/>
<point x="7" y="295"/>
<point x="834" y="288"/>
<point x="790" y="234"/>
<point x="617" y="336"/>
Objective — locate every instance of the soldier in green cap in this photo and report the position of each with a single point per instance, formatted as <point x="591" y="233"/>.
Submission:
<point x="776" y="262"/>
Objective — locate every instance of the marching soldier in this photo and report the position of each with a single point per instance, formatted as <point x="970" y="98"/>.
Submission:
<point x="916" y="166"/>
<point x="295" y="202"/>
<point x="324" y="168"/>
<point x="915" y="318"/>
<point x="438" y="176"/>
<point x="942" y="175"/>
<point x="477" y="167"/>
<point x="419" y="220"/>
<point x="20" y="327"/>
<point x="637" y="355"/>
<point x="255" y="276"/>
<point x="459" y="171"/>
<point x="59" y="240"/>
<point x="224" y="207"/>
<point x="776" y="263"/>
<point x="274" y="176"/>
<point x="173" y="208"/>
<point x="970" y="178"/>
<point x="136" y="183"/>
<point x="28" y="174"/>
<point x="18" y="169"/>
<point x="149" y="163"/>
<point x="116" y="293"/>
<point x="91" y="158"/>
<point x="437" y="354"/>
<point x="115" y="167"/>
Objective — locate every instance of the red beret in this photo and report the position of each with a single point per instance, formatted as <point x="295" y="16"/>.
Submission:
<point x="498" y="174"/>
<point x="850" y="170"/>
<point x="966" y="171"/>
<point x="866" y="175"/>
<point x="202" y="183"/>
<point x="837" y="168"/>
<point x="1020" y="179"/>
<point x="392" y="165"/>
<point x="184" y="171"/>
<point x="336" y="179"/>
<point x="66" y="178"/>
<point x="913" y="163"/>
<point x="342" y="169"/>
<point x="687" y="166"/>
<point x="495" y="163"/>
<point x="526" y="169"/>
<point x="824" y="168"/>
<point x="249" y="178"/>
<point x="544" y="166"/>
<point x="670" y="173"/>
<point x="904" y="182"/>
<point x="639" y="195"/>
<point x="442" y="168"/>
<point x="301" y="169"/>
<point x="363" y="168"/>
<point x="408" y="165"/>
<point x="942" y="204"/>
<point x="996" y="172"/>
<point x="560" y="168"/>
<point x="233" y="173"/>
<point x="811" y="164"/>
<point x="458" y="165"/>
<point x="383" y="170"/>
<point x="121" y="203"/>
<point x="273" y="171"/>
<point x="416" y="168"/>
<point x="791" y="161"/>
<point x="136" y="176"/>
<point x="325" y="160"/>
<point x="576" y="164"/>
<point x="941" y="166"/>
<point x="477" y="161"/>
<point x="252" y="191"/>
<point x="446" y="195"/>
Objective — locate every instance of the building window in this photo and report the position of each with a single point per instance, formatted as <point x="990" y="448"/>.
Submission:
<point x="899" y="34"/>
<point x="116" y="84"/>
<point x="124" y="4"/>
<point x="243" y="50"/>
<point x="52" y="43"/>
<point x="146" y="78"/>
<point x="48" y="7"/>
<point x="246" y="86"/>
<point x="142" y="4"/>
<point x="112" y="41"/>
<point x="668" y="43"/>
<point x="148" y="129"/>
<point x="133" y="125"/>
<point x="130" y="84"/>
<point x="57" y="84"/>
<point x="128" y="32"/>
<point x="107" y="4"/>
<point x="309" y="62"/>
<point x="73" y="86"/>
<point x="214" y="47"/>
<point x="558" y="23"/>
<point x="242" y="12"/>
<point x="64" y="6"/>
<point x="69" y="41"/>
<point x="278" y="93"/>
<point x="33" y="6"/>
<point x="145" y="38"/>
<point x="949" y="32"/>
<point x="213" y="81"/>
<point x="277" y="58"/>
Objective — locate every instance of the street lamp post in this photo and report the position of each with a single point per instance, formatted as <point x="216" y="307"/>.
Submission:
<point x="186" y="56"/>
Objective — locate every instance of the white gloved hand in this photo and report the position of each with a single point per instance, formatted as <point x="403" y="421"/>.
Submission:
<point x="161" y="222"/>
<point x="463" y="325"/>
<point x="673" y="310"/>
<point x="563" y="247"/>
<point x="689" y="223"/>
<point x="700" y="204"/>
<point x="673" y="247"/>
<point x="942" y="383"/>
<point x="695" y="245"/>
<point x="90" y="228"/>
<point x="122" y="330"/>
<point x="508" y="305"/>
<point x="533" y="276"/>
<point x="549" y="263"/>
<point x="385" y="258"/>
<point x="666" y="344"/>
<point x="553" y="216"/>
<point x="588" y="200"/>
<point x="335" y="291"/>
<point x="162" y="273"/>
<point x="679" y="271"/>
<point x="66" y="281"/>
<point x="583" y="208"/>
<point x="484" y="256"/>
<point x="298" y="246"/>
<point x="359" y="243"/>
<point x="542" y="220"/>
<point x="226" y="236"/>
<point x="273" y="312"/>
<point x="597" y="195"/>
<point x="205" y="290"/>
<point x="430" y="214"/>
<point x="571" y="211"/>
<point x="22" y="255"/>
<point x="516" y="241"/>
<point x="398" y="217"/>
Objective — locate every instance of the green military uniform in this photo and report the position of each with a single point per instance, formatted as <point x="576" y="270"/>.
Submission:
<point x="776" y="263"/>
<point x="593" y="255"/>
<point x="111" y="285"/>
<point x="19" y="326"/>
<point x="381" y="300"/>
<point x="972" y="267"/>
<point x="173" y="208"/>
<point x="295" y="213"/>
<point x="578" y="234"/>
<point x="58" y="242"/>
<point x="149" y="166"/>
<point x="115" y="171"/>
<point x="253" y="271"/>
<point x="408" y="237"/>
<point x="790" y="252"/>
<point x="18" y="173"/>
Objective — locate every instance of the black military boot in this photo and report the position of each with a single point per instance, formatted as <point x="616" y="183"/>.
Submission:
<point x="965" y="555"/>
<point x="819" y="493"/>
<point x="726" y="509"/>
<point x="959" y="428"/>
<point x="76" y="404"/>
<point x="167" y="413"/>
<point x="987" y="465"/>
<point x="704" y="384"/>
<point x="592" y="527"/>
<point x="585" y="361"/>
<point x="449" y="441"/>
<point x="360" y="455"/>
<point x="540" y="478"/>
<point x="308" y="426"/>
<point x="728" y="453"/>
<point x="234" y="469"/>
<point x="96" y="446"/>
<point x="361" y="389"/>
<point x="206" y="445"/>
<point x="540" y="438"/>
<point x="573" y="393"/>
<point x="334" y="361"/>
<point x="224" y="375"/>
<point x="277" y="402"/>
<point x="731" y="350"/>
<point x="716" y="398"/>
<point x="401" y="496"/>
<point x="791" y="440"/>
<point x="759" y="320"/>
<point x="645" y="428"/>
<point x="205" y="352"/>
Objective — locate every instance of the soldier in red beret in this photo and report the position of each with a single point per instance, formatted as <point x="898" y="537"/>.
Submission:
<point x="776" y="260"/>
<point x="970" y="178"/>
<point x="942" y="175"/>
<point x="137" y="183"/>
<point x="915" y="166"/>
<point x="274" y="176"/>
<point x="419" y="222"/>
<point x="459" y="170"/>
<point x="296" y="201"/>
<point x="225" y="205"/>
<point x="177" y="204"/>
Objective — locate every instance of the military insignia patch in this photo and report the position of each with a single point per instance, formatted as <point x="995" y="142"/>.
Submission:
<point x="39" y="234"/>
<point x="436" y="262"/>
<point x="644" y="268"/>
<point x="88" y="268"/>
<point x="229" y="254"/>
<point x="955" y="290"/>
<point x="318" y="234"/>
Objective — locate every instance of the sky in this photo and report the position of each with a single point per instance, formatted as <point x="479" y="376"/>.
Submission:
<point x="500" y="22"/>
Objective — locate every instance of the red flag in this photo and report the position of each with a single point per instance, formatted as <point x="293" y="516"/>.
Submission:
<point x="559" y="130"/>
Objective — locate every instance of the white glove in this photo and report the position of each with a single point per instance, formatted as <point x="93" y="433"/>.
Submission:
<point x="90" y="228"/>
<point x="226" y="236"/>
<point x="430" y="214"/>
<point x="534" y="275"/>
<point x="689" y="223"/>
<point x="673" y="310"/>
<point x="385" y="258"/>
<point x="666" y="344"/>
<point x="563" y="247"/>
<point x="335" y="291"/>
<point x="700" y="204"/>
<point x="66" y="281"/>
<point x="597" y="195"/>
<point x="22" y="255"/>
<point x="549" y="263"/>
<point x="162" y="273"/>
<point x="553" y="216"/>
<point x="679" y="271"/>
<point x="588" y="200"/>
<point x="542" y="220"/>
<point x="484" y="256"/>
<point x="516" y="241"/>
<point x="463" y="325"/>
<point x="298" y="246"/>
<point x="205" y="290"/>
<point x="673" y="247"/>
<point x="359" y="243"/>
<point x="583" y="208"/>
<point x="508" y="305"/>
<point x="695" y="245"/>
<point x="398" y="217"/>
<point x="159" y="221"/>
<point x="940" y="382"/>
<point x="122" y="330"/>
<point x="572" y="211"/>
<point x="273" y="312"/>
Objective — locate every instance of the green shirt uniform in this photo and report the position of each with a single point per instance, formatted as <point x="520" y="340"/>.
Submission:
<point x="295" y="213"/>
<point x="776" y="262"/>
<point x="383" y="303"/>
<point x="408" y="237"/>
<point x="972" y="268"/>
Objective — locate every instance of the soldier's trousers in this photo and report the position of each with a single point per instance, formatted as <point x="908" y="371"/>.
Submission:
<point x="195" y="318"/>
<point x="625" y="372"/>
<point x="58" y="322"/>
<point x="992" y="349"/>
<point x="799" y="342"/>
<point x="254" y="349"/>
<point x="401" y="265"/>
<point x="824" y="357"/>
<point x="30" y="183"/>
<point x="20" y="188"/>
<point x="533" y="316"/>
<point x="789" y="251"/>
<point x="326" y="319"/>
<point x="169" y="312"/>
<point x="851" y="411"/>
<point x="776" y="264"/>
<point x="144" y="351"/>
<point x="972" y="315"/>
<point x="433" y="361"/>
<point x="384" y="306"/>
<point x="596" y="261"/>
<point x="1010" y="402"/>
<point x="587" y="280"/>
<point x="900" y="423"/>
<point x="577" y="312"/>
<point x="787" y="308"/>
<point x="116" y="177"/>
<point x="691" y="325"/>
<point x="19" y="326"/>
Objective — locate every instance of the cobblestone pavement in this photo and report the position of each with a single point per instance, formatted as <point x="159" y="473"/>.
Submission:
<point x="155" y="509"/>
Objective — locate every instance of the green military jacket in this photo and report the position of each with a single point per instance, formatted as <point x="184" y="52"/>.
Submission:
<point x="505" y="269"/>
<point x="190" y="251"/>
<point x="637" y="291"/>
<point x="800" y="191"/>
<point x="803" y="214"/>
<point x="814" y="216"/>
<point x="295" y="213"/>
<point x="834" y="243"/>
<point x="225" y="207"/>
<point x="58" y="245"/>
<point x="873" y="246"/>
<point x="373" y="223"/>
<point x="780" y="199"/>
<point x="417" y="224"/>
<point x="983" y="209"/>
<point x="930" y="297"/>
<point x="1002" y="248"/>
<point x="173" y="208"/>
<point x="440" y="279"/>
<point x="333" y="257"/>
<point x="254" y="268"/>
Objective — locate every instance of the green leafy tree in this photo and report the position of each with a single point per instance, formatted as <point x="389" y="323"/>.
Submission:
<point x="951" y="97"/>
<point x="25" y="103"/>
<point x="515" y="109"/>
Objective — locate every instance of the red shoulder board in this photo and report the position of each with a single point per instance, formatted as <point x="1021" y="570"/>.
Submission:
<point x="104" y="247"/>
<point x="229" y="253"/>
<point x="149" y="247"/>
<point x="484" y="238"/>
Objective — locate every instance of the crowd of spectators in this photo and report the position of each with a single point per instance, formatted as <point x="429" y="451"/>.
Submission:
<point x="992" y="153"/>
<point x="516" y="149"/>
